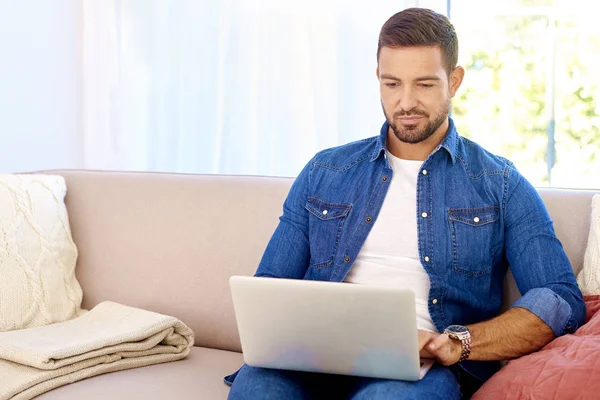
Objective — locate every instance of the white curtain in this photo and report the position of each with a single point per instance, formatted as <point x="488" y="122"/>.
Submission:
<point x="228" y="86"/>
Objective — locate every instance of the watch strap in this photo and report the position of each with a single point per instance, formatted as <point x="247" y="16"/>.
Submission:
<point x="465" y="341"/>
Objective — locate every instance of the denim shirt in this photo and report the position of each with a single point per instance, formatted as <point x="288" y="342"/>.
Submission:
<point x="475" y="215"/>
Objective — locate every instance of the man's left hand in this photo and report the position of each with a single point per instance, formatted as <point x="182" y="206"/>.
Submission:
<point x="439" y="346"/>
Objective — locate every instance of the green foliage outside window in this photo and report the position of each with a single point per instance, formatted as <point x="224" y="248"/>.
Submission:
<point x="532" y="74"/>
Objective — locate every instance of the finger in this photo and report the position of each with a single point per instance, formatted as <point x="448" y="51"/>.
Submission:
<point x="424" y="338"/>
<point x="424" y="353"/>
<point x="444" y="350"/>
<point x="439" y="342"/>
<point x="441" y="348"/>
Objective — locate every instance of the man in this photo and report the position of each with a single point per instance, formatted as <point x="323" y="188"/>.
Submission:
<point x="419" y="206"/>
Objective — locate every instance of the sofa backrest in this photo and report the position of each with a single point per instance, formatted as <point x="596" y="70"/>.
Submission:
<point x="169" y="242"/>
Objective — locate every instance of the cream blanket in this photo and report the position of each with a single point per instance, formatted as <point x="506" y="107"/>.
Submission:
<point x="111" y="337"/>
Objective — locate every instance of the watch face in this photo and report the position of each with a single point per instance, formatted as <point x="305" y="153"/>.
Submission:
<point x="457" y="329"/>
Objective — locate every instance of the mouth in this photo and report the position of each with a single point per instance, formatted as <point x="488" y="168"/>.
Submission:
<point x="411" y="120"/>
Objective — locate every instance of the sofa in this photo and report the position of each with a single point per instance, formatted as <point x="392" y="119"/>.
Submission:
<point x="169" y="242"/>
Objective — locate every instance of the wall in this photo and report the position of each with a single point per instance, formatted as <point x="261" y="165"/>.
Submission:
<point x="40" y="84"/>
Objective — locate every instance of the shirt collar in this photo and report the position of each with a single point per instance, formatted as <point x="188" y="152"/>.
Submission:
<point x="450" y="142"/>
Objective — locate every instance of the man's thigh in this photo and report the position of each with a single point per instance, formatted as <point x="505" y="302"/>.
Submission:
<point x="265" y="383"/>
<point x="439" y="383"/>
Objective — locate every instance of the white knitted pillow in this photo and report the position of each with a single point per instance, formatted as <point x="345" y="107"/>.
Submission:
<point x="37" y="254"/>
<point x="589" y="277"/>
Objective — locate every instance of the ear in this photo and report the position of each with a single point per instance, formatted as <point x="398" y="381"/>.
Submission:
<point x="456" y="78"/>
<point x="377" y="72"/>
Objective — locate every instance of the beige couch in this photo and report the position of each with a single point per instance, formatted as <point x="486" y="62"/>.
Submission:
<point x="169" y="243"/>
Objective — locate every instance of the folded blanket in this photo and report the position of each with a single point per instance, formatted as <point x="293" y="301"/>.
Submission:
<point x="110" y="337"/>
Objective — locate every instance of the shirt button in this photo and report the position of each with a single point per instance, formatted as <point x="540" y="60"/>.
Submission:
<point x="434" y="301"/>
<point x="476" y="219"/>
<point x="426" y="259"/>
<point x="385" y="179"/>
<point x="324" y="212"/>
<point x="424" y="215"/>
<point x="424" y="172"/>
<point x="569" y="329"/>
<point x="346" y="259"/>
<point x="368" y="219"/>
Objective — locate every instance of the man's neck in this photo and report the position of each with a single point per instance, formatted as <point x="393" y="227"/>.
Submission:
<point x="417" y="151"/>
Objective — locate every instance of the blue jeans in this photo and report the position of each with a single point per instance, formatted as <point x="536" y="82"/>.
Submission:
<point x="265" y="384"/>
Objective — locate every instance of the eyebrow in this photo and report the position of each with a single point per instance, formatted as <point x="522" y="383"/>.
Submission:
<point x="421" y="78"/>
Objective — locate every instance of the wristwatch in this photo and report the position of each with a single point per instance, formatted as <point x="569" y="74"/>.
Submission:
<point x="461" y="333"/>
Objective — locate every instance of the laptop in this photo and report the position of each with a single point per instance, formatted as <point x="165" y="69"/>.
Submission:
<point x="328" y="327"/>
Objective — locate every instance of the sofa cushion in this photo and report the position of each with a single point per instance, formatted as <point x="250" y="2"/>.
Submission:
<point x="589" y="277"/>
<point x="38" y="256"/>
<point x="566" y="368"/>
<point x="199" y="376"/>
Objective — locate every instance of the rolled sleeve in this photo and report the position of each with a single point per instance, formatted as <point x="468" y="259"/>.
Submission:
<point x="550" y="308"/>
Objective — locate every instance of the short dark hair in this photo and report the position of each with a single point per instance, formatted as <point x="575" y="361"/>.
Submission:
<point x="421" y="27"/>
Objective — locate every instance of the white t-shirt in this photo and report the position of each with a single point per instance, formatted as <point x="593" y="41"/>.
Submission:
<point x="390" y="254"/>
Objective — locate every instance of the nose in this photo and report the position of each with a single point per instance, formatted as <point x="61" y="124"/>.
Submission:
<point x="408" y="100"/>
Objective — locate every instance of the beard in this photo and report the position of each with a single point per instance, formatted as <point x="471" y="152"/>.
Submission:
<point x="414" y="134"/>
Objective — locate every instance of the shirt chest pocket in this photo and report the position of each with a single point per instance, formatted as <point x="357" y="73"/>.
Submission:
<point x="476" y="239"/>
<point x="326" y="221"/>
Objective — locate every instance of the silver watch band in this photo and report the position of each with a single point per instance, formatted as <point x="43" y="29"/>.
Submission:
<point x="466" y="348"/>
<point x="465" y="340"/>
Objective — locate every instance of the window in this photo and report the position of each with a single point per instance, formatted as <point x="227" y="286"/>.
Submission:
<point x="532" y="89"/>
<point x="247" y="87"/>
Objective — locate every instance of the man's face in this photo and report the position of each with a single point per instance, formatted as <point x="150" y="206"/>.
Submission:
<point x="415" y="91"/>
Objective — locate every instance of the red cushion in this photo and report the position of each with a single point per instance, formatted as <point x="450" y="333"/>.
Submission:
<point x="566" y="368"/>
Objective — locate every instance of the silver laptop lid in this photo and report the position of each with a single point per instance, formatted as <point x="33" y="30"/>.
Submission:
<point x="339" y="328"/>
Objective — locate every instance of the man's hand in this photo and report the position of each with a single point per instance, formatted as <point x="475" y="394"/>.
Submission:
<point x="439" y="346"/>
